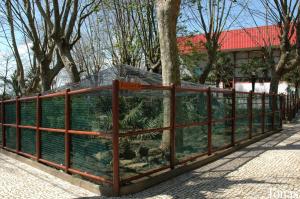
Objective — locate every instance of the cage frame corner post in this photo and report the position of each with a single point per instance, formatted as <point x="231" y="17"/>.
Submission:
<point x="115" y="136"/>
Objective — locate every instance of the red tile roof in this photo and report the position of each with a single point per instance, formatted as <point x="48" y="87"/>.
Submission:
<point x="236" y="40"/>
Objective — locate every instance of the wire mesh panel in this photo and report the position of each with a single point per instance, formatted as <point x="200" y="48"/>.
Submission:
<point x="53" y="147"/>
<point x="27" y="137"/>
<point x="277" y="120"/>
<point x="268" y="122"/>
<point x="142" y="153"/>
<point x="221" y="134"/>
<point x="242" y="119"/>
<point x="53" y="112"/>
<point x="256" y="114"/>
<point x="10" y="136"/>
<point x="241" y="129"/>
<point x="191" y="141"/>
<point x="268" y="104"/>
<point x="92" y="155"/>
<point x="10" y="112"/>
<point x="242" y="104"/>
<point x="28" y="113"/>
<point x="268" y="112"/>
<point x="1" y="143"/>
<point x="191" y="107"/>
<point x="143" y="109"/>
<point x="221" y="109"/>
<point x="92" y="111"/>
<point x="1" y="112"/>
<point x="221" y="105"/>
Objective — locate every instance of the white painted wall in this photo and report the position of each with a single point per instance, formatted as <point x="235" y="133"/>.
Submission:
<point x="259" y="87"/>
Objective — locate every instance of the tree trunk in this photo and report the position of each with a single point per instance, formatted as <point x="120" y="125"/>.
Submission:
<point x="274" y="82"/>
<point x="20" y="68"/>
<point x="167" y="14"/>
<point x="211" y="56"/>
<point x="69" y="63"/>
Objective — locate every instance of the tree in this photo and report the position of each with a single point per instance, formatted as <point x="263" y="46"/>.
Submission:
<point x="253" y="69"/>
<point x="43" y="47"/>
<point x="144" y="18"/>
<point x="222" y="70"/>
<point x="212" y="17"/>
<point x="285" y="14"/>
<point x="19" y="74"/>
<point x="63" y="20"/>
<point x="167" y="14"/>
<point x="293" y="77"/>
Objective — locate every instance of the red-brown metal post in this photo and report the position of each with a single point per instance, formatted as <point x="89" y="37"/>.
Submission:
<point x="67" y="127"/>
<point x="172" y="125"/>
<point x="209" y="121"/>
<point x="18" y="139"/>
<point x="233" y="117"/>
<point x="273" y="110"/>
<point x="283" y="100"/>
<point x="250" y="113"/>
<point x="287" y="107"/>
<point x="281" y="97"/>
<point x="263" y="113"/>
<point x="38" y="133"/>
<point x="115" y="141"/>
<point x="2" y="123"/>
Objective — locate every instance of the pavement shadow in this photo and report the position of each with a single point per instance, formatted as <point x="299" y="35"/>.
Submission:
<point x="212" y="177"/>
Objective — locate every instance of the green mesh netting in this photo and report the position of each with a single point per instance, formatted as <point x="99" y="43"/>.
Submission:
<point x="191" y="141"/>
<point x="221" y="134"/>
<point x="0" y="113"/>
<point x="10" y="136"/>
<point x="268" y="112"/>
<point x="268" y="122"/>
<point x="277" y="123"/>
<point x="221" y="105"/>
<point x="92" y="111"/>
<point x="1" y="143"/>
<point x="241" y="107"/>
<point x="53" y="147"/>
<point x="242" y="121"/>
<point x="141" y="153"/>
<point x="28" y="113"/>
<point x="27" y="137"/>
<point x="142" y="109"/>
<point x="268" y="104"/>
<point x="241" y="129"/>
<point x="10" y="113"/>
<point x="256" y="114"/>
<point x="53" y="112"/>
<point x="91" y="154"/>
<point x="191" y="107"/>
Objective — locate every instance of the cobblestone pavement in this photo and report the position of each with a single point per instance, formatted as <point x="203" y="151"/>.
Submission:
<point x="269" y="168"/>
<point x="19" y="180"/>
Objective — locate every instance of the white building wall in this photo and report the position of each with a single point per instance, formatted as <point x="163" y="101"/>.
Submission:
<point x="260" y="87"/>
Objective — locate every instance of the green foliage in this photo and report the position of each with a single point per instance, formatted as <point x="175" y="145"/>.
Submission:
<point x="191" y="62"/>
<point x="255" y="66"/>
<point x="223" y="70"/>
<point x="92" y="111"/>
<point x="53" y="112"/>
<point x="28" y="113"/>
<point x="141" y="111"/>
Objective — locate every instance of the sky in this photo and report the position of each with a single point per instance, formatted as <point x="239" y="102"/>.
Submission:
<point x="244" y="20"/>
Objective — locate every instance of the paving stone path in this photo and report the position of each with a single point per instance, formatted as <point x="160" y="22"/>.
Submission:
<point x="19" y="180"/>
<point x="269" y="168"/>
